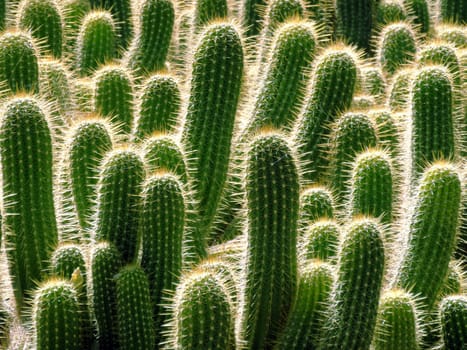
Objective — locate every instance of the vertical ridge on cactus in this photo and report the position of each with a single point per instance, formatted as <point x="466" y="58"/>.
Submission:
<point x="453" y="312"/>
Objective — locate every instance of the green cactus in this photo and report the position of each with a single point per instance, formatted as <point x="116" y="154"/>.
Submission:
<point x="353" y="133"/>
<point x="332" y="87"/>
<point x="323" y="13"/>
<point x="397" y="47"/>
<point x="252" y="16"/>
<point x="389" y="137"/>
<point x="272" y="191"/>
<point x="150" y="46"/>
<point x="134" y="310"/>
<point x="372" y="186"/>
<point x="432" y="235"/>
<point x="453" y="34"/>
<point x="210" y="118"/>
<point x="113" y="96"/>
<point x="399" y="94"/>
<point x="29" y="215"/>
<point x="389" y="12"/>
<point x="56" y="317"/>
<point x="355" y="21"/>
<point x="158" y="106"/>
<point x="453" y="11"/>
<point x="352" y="312"/>
<point x="419" y="10"/>
<point x="121" y="11"/>
<point x="321" y="241"/>
<point x="374" y="83"/>
<point x="19" y="67"/>
<point x="398" y="324"/>
<point x="121" y="176"/>
<point x="442" y="54"/>
<point x="202" y="314"/>
<point x="315" y="203"/>
<point x="206" y="11"/>
<point x="73" y="13"/>
<point x="305" y="319"/>
<point x="453" y="315"/>
<point x="228" y="274"/>
<point x="44" y="20"/>
<point x="162" y="228"/>
<point x="454" y="282"/>
<point x="278" y="12"/>
<point x="432" y="121"/>
<point x="106" y="261"/>
<point x="3" y="12"/>
<point x="96" y="43"/>
<point x="84" y="95"/>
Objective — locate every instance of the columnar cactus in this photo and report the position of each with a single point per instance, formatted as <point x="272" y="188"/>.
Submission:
<point x="442" y="54"/>
<point x="150" y="46"/>
<point x="272" y="192"/>
<point x="19" y="67"/>
<point x="96" y="42"/>
<point x="210" y="118"/>
<point x="419" y="10"/>
<point x="134" y="310"/>
<point x="320" y="241"/>
<point x="453" y="312"/>
<point x="315" y="203"/>
<point x="158" y="106"/>
<point x="374" y="83"/>
<point x="73" y="13"/>
<point x="56" y="317"/>
<point x="332" y="89"/>
<point x="206" y="11"/>
<point x="29" y="218"/>
<point x="453" y="34"/>
<point x="398" y="325"/>
<point x="399" y="94"/>
<point x="352" y="312"/>
<point x="202" y="314"/>
<point x="106" y="261"/>
<point x="453" y="11"/>
<point x="43" y="18"/>
<point x="389" y="12"/>
<point x="113" y="96"/>
<point x="120" y="179"/>
<point x="303" y="325"/>
<point x="322" y="12"/>
<point x="432" y="233"/>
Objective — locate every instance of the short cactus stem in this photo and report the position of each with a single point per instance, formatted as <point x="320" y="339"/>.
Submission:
<point x="442" y="54"/>
<point x="320" y="241"/>
<point x="398" y="325"/>
<point x="374" y="83"/>
<point x="134" y="310"/>
<point x="226" y="272"/>
<point x="332" y="89"/>
<point x="432" y="233"/>
<point x="272" y="191"/>
<point x="397" y="47"/>
<point x="158" y="106"/>
<point x="19" y="66"/>
<point x="399" y="92"/>
<point x="315" y="203"/>
<point x="387" y="129"/>
<point x="390" y="11"/>
<point x="351" y="318"/>
<point x="305" y="319"/>
<point x="113" y="96"/>
<point x="419" y="10"/>
<point x="29" y="214"/>
<point x="96" y="43"/>
<point x="252" y="17"/>
<point x="202" y="314"/>
<point x="371" y="191"/>
<point x="106" y="261"/>
<point x="119" y="187"/>
<point x="56" y="317"/>
<point x="452" y="34"/>
<point x="206" y="11"/>
<point x="323" y="13"/>
<point x="453" y="315"/>
<point x="73" y="13"/>
<point x="44" y="19"/>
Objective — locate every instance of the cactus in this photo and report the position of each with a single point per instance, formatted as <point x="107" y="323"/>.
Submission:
<point x="208" y="10"/>
<point x="332" y="89"/>
<point x="73" y="13"/>
<point x="397" y="47"/>
<point x="454" y="281"/>
<point x="388" y="133"/>
<point x="432" y="235"/>
<point x="105" y="264"/>
<point x="29" y="215"/>
<point x="374" y="83"/>
<point x="3" y="12"/>
<point x="442" y="54"/>
<point x="399" y="95"/>
<point x="113" y="96"/>
<point x="398" y="322"/>
<point x="210" y="118"/>
<point x="354" y="132"/>
<point x="315" y="203"/>
<point x="389" y="12"/>
<point x="453" y="315"/>
<point x="228" y="274"/>
<point x="56" y="317"/>
<point x="162" y="227"/>
<point x="453" y="11"/>
<point x="44" y="19"/>
<point x="202" y="314"/>
<point x="134" y="309"/>
<point x="252" y="17"/>
<point x="151" y="43"/>
<point x="432" y="121"/>
<point x="121" y="176"/>
<point x="158" y="106"/>
<point x="272" y="192"/>
<point x="452" y="34"/>
<point x="321" y="241"/>
<point x="96" y="43"/>
<point x="419" y="10"/>
<point x="313" y="292"/>
<point x="352" y="312"/>
<point x="323" y="12"/>
<point x="19" y="66"/>
<point x="372" y="186"/>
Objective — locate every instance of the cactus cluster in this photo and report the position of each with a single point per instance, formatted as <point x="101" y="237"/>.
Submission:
<point x="233" y="174"/>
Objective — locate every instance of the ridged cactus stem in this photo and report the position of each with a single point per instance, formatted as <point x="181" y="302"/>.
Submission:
<point x="419" y="10"/>
<point x="320" y="241"/>
<point x="29" y="214"/>
<point x="252" y="17"/>
<point x="272" y="192"/>
<point x="207" y="11"/>
<point x="453" y="312"/>
<point x="453" y="11"/>
<point x="352" y="312"/>
<point x="315" y="203"/>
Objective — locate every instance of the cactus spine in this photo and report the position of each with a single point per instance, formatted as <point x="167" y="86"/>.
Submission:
<point x="29" y="216"/>
<point x="272" y="192"/>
